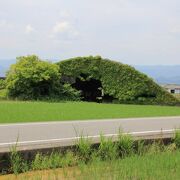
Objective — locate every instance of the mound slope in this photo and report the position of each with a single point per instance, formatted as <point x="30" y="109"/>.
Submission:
<point x="109" y="81"/>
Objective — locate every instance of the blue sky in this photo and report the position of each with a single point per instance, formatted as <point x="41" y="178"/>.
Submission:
<point x="130" y="31"/>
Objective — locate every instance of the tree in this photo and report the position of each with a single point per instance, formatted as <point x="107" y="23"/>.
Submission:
<point x="2" y="84"/>
<point x="32" y="78"/>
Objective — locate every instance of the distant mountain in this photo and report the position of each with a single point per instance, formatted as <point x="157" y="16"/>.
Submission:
<point x="162" y="74"/>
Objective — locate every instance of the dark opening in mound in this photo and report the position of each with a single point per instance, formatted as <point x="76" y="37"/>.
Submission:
<point x="91" y="89"/>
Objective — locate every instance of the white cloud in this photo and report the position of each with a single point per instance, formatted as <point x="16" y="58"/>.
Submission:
<point x="61" y="27"/>
<point x="29" y="29"/>
<point x="64" y="30"/>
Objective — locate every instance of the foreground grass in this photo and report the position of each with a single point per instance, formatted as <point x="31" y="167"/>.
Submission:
<point x="16" y="111"/>
<point x="123" y="159"/>
<point x="151" y="166"/>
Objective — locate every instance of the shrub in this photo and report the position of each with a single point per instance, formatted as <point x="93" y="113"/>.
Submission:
<point x="3" y="94"/>
<point x="2" y="84"/>
<point x="32" y="78"/>
<point x="69" y="93"/>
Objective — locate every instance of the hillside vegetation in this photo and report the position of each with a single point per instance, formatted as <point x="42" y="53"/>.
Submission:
<point x="90" y="79"/>
<point x="112" y="81"/>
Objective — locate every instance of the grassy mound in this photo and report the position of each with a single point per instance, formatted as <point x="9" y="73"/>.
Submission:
<point x="108" y="81"/>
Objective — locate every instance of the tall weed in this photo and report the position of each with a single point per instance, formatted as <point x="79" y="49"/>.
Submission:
<point x="177" y="138"/>
<point x="107" y="149"/>
<point x="17" y="163"/>
<point x="84" y="149"/>
<point x="125" y="144"/>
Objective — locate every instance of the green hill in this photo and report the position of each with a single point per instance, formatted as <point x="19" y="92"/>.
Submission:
<point x="108" y="81"/>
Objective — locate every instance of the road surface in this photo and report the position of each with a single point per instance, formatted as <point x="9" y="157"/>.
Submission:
<point x="30" y="136"/>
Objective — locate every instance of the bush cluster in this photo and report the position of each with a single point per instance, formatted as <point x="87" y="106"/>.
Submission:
<point x="34" y="79"/>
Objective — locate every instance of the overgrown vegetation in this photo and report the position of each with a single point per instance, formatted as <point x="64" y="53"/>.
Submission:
<point x="33" y="79"/>
<point x="82" y="78"/>
<point x="2" y="84"/>
<point x="177" y="96"/>
<point x="161" y="166"/>
<point x="3" y="94"/>
<point x="177" y="138"/>
<point x="3" y="91"/>
<point x="113" y="82"/>
<point x="86" y="153"/>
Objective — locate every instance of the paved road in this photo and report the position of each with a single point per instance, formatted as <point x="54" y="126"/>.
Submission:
<point x="53" y="134"/>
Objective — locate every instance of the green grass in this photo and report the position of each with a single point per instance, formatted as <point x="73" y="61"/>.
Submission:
<point x="159" y="166"/>
<point x="16" y="111"/>
<point x="148" y="167"/>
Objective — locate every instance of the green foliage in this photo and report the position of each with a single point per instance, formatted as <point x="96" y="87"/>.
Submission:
<point x="32" y="78"/>
<point x="122" y="82"/>
<point x="139" y="148"/>
<point x="85" y="153"/>
<point x="177" y="138"/>
<point x="52" y="161"/>
<point x="125" y="145"/>
<point x="107" y="149"/>
<point x="17" y="163"/>
<point x="3" y="91"/>
<point x="177" y="96"/>
<point x="69" y="93"/>
<point x="160" y="166"/>
<point x="3" y="94"/>
<point x="2" y="84"/>
<point x="84" y="149"/>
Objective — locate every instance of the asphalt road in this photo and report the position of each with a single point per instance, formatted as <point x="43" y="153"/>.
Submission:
<point x="53" y="134"/>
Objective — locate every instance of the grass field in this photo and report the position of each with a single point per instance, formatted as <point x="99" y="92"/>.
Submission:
<point x="16" y="111"/>
<point x="165" y="165"/>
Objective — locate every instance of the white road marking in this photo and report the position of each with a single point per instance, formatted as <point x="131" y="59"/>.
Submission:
<point x="76" y="138"/>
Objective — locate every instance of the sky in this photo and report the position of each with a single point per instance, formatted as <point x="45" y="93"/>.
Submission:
<point x="141" y="32"/>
